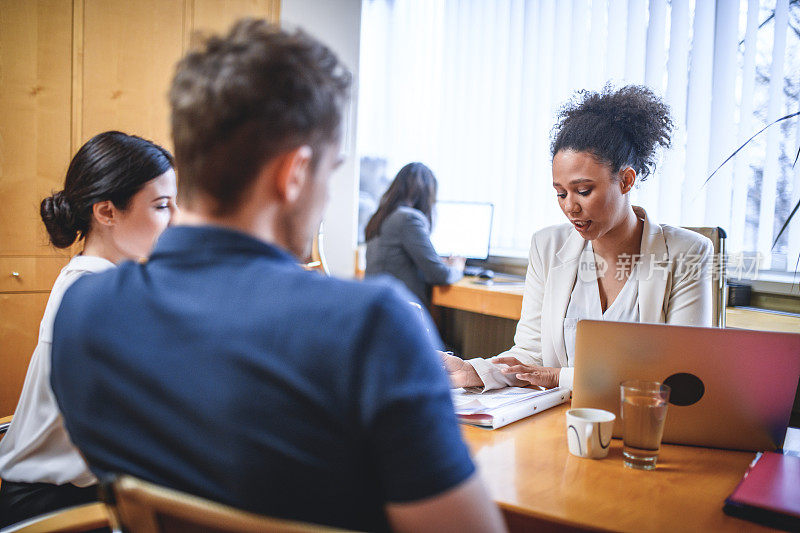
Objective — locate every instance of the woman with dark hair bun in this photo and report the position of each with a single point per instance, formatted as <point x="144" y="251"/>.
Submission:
<point x="118" y="196"/>
<point x="399" y="235"/>
<point x="611" y="261"/>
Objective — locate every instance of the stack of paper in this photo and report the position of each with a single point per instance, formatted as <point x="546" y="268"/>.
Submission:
<point x="494" y="409"/>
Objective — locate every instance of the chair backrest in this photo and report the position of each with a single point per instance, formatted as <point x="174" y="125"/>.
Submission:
<point x="5" y="422"/>
<point x="360" y="261"/>
<point x="141" y="507"/>
<point x="718" y="293"/>
<point x="317" y="260"/>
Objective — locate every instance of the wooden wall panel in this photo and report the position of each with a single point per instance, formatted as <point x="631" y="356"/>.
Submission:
<point x="129" y="54"/>
<point x="70" y="69"/>
<point x="35" y="81"/>
<point x="20" y="315"/>
<point x="216" y="16"/>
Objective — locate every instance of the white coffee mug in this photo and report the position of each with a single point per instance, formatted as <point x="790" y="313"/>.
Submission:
<point x="589" y="432"/>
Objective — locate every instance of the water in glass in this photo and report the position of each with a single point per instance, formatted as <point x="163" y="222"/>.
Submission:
<point x="643" y="418"/>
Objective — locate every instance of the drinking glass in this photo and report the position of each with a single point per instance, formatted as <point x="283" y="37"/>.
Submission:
<point x="644" y="409"/>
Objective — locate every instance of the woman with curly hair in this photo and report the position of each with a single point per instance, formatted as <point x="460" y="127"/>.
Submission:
<point x="611" y="261"/>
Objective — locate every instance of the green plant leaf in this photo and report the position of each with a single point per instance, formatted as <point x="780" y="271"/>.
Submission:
<point x="795" y="158"/>
<point x="786" y="224"/>
<point x="789" y="218"/>
<point x="786" y="117"/>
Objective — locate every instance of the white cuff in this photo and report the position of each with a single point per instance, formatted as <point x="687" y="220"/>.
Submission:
<point x="565" y="376"/>
<point x="490" y="374"/>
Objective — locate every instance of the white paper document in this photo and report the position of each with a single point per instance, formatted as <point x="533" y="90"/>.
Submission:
<point x="494" y="409"/>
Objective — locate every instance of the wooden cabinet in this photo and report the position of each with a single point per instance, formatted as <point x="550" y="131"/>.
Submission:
<point x="35" y="123"/>
<point x="35" y="85"/>
<point x="129" y="51"/>
<point x="29" y="274"/>
<point x="70" y="69"/>
<point x="20" y="315"/>
<point x="129" y="54"/>
<point x="215" y="16"/>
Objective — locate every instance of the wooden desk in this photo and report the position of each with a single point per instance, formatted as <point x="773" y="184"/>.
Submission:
<point x="737" y="317"/>
<point x="540" y="486"/>
<point x="506" y="301"/>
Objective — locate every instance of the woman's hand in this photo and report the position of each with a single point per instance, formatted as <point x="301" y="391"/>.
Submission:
<point x="543" y="376"/>
<point x="456" y="261"/>
<point x="461" y="373"/>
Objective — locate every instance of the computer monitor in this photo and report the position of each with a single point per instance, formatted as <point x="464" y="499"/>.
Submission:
<point x="463" y="229"/>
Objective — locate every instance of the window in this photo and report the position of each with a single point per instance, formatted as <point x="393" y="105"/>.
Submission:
<point x="472" y="88"/>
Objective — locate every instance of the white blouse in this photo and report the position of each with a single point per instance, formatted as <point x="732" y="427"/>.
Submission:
<point x="584" y="302"/>
<point x="36" y="448"/>
<point x="663" y="289"/>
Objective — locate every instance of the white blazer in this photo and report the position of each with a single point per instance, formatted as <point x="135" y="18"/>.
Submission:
<point x="674" y="288"/>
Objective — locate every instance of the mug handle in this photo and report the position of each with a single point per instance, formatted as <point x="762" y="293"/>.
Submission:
<point x="589" y="441"/>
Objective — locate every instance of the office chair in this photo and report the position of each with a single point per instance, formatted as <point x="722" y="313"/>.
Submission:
<point x="717" y="236"/>
<point x="86" y="517"/>
<point x="317" y="260"/>
<point x="4" y="423"/>
<point x="141" y="507"/>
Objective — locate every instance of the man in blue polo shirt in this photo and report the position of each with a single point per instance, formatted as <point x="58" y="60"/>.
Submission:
<point x="221" y="368"/>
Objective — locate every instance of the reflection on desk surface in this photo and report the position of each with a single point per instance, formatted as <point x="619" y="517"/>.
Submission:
<point x="531" y="474"/>
<point x="791" y="446"/>
<point x="499" y="281"/>
<point x="512" y="284"/>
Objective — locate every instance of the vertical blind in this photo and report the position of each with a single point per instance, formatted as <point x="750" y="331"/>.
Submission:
<point x="472" y="89"/>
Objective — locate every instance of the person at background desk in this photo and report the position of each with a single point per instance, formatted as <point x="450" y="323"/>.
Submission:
<point x="118" y="196"/>
<point x="611" y="261"/>
<point x="399" y="235"/>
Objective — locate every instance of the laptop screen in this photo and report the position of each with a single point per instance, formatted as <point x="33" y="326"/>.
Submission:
<point x="463" y="229"/>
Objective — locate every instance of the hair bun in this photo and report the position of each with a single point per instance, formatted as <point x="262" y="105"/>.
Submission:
<point x="623" y="126"/>
<point x="59" y="219"/>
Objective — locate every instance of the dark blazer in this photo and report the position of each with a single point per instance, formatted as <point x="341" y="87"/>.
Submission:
<point x="403" y="249"/>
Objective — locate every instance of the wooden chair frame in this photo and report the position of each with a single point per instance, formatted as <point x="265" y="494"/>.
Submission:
<point x="717" y="236"/>
<point x="84" y="517"/>
<point x="141" y="507"/>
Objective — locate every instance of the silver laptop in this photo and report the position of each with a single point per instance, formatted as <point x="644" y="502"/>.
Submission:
<point x="731" y="388"/>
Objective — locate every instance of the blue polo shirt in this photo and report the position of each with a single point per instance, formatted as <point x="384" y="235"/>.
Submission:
<point x="223" y="369"/>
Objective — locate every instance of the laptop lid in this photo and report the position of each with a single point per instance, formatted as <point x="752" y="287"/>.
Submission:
<point x="731" y="388"/>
